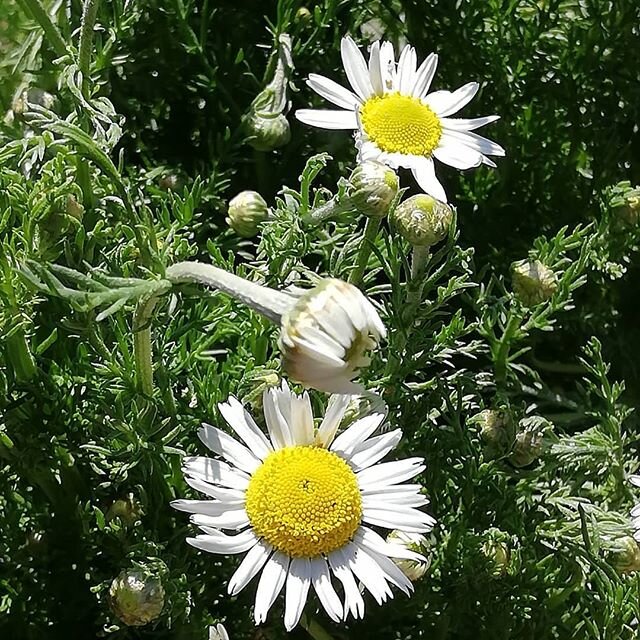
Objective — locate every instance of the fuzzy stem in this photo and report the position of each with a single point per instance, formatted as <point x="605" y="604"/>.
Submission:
<point x="42" y="17"/>
<point x="89" y="13"/>
<point x="368" y="238"/>
<point x="502" y="354"/>
<point x="419" y="257"/>
<point x="327" y="210"/>
<point x="142" y="349"/>
<point x="269" y="302"/>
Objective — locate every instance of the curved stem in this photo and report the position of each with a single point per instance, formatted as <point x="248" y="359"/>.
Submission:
<point x="330" y="208"/>
<point x="368" y="238"/>
<point x="89" y="12"/>
<point x="502" y="353"/>
<point x="419" y="258"/>
<point x="269" y="302"/>
<point x="142" y="349"/>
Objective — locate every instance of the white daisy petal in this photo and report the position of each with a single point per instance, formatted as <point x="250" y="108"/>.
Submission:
<point x="230" y="519"/>
<point x="327" y="595"/>
<point x="374" y="69"/>
<point x="400" y="498"/>
<point x="389" y="570"/>
<point x="405" y="78"/>
<point x="230" y="496"/>
<point x="357" y="433"/>
<point x="333" y="92"/>
<point x="387" y="66"/>
<point x="368" y="538"/>
<point x="339" y="561"/>
<point x="473" y="141"/>
<point x="446" y="103"/>
<point x="424" y="76"/>
<point x="635" y="512"/>
<point x="328" y="118"/>
<point x="356" y="68"/>
<point x="489" y="162"/>
<point x="407" y="518"/>
<point x="458" y="156"/>
<point x="370" y="574"/>
<point x="276" y="424"/>
<point x="388" y="473"/>
<point x="373" y="450"/>
<point x="206" y="507"/>
<point x="298" y="583"/>
<point x="425" y="175"/>
<point x="214" y="471"/>
<point x="636" y="536"/>
<point x="466" y="124"/>
<point x="271" y="582"/>
<point x="221" y="543"/>
<point x="239" y="419"/>
<point x="302" y="420"/>
<point x="635" y="480"/>
<point x="249" y="567"/>
<point x="332" y="418"/>
<point x="224" y="445"/>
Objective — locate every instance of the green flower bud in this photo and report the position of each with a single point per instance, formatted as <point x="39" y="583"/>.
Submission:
<point x="625" y="556"/>
<point x="626" y="203"/>
<point x="372" y="188"/>
<point x="499" y="553"/>
<point x="497" y="431"/>
<point x="32" y="95"/>
<point x="246" y="211"/>
<point x="267" y="131"/>
<point x="128" y="510"/>
<point x="136" y="597"/>
<point x="422" y="220"/>
<point x="530" y="441"/>
<point x="532" y="282"/>
<point x="74" y="208"/>
<point x="303" y="15"/>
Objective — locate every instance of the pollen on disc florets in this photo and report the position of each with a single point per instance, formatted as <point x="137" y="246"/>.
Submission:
<point x="304" y="501"/>
<point x="401" y="124"/>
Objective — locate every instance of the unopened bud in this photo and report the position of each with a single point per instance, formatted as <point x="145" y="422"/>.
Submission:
<point x="496" y="430"/>
<point x="170" y="182"/>
<point x="74" y="208"/>
<point x="413" y="569"/>
<point x="530" y="441"/>
<point x="303" y="15"/>
<point x="33" y="95"/>
<point x="625" y="557"/>
<point x="136" y="597"/>
<point x="246" y="211"/>
<point x="500" y="556"/>
<point x="372" y="188"/>
<point x="422" y="220"/>
<point x="128" y="510"/>
<point x="267" y="131"/>
<point x="532" y="282"/>
<point x="626" y="203"/>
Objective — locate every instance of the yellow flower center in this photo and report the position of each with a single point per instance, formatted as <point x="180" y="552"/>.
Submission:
<point x="304" y="501"/>
<point x="401" y="124"/>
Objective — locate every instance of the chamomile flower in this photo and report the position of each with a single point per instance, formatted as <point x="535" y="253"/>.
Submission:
<point x="302" y="504"/>
<point x="397" y="122"/>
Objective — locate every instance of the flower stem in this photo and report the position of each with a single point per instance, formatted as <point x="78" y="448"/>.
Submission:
<point x="142" y="350"/>
<point x="502" y="352"/>
<point x="89" y="13"/>
<point x="368" y="238"/>
<point x="269" y="302"/>
<point x="327" y="210"/>
<point x="419" y="258"/>
<point x="42" y="17"/>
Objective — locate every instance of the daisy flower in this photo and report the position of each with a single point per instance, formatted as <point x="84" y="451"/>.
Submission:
<point x="397" y="122"/>
<point x="302" y="503"/>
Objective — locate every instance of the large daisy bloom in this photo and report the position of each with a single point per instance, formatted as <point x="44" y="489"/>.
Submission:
<point x="396" y="120"/>
<point x="302" y="503"/>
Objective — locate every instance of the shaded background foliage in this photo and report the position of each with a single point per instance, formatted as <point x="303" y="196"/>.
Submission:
<point x="77" y="435"/>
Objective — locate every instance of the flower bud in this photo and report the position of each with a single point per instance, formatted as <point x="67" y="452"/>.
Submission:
<point x="625" y="556"/>
<point x="326" y="334"/>
<point x="422" y="220"/>
<point x="372" y="188"/>
<point x="303" y="15"/>
<point x="498" y="553"/>
<point x="496" y="430"/>
<point x="128" y="510"/>
<point x="255" y="383"/>
<point x="170" y="182"/>
<point x="267" y="131"/>
<point x="32" y="95"/>
<point x="530" y="441"/>
<point x="136" y="597"/>
<point x="246" y="211"/>
<point x="218" y="632"/>
<point x="532" y="282"/>
<point x="74" y="208"/>
<point x="413" y="569"/>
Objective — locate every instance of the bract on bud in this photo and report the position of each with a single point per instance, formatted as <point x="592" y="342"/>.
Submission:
<point x="136" y="597"/>
<point x="246" y="211"/>
<point x="422" y="220"/>
<point x="372" y="188"/>
<point x="532" y="282"/>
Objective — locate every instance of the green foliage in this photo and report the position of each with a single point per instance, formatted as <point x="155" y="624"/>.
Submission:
<point x="118" y="153"/>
